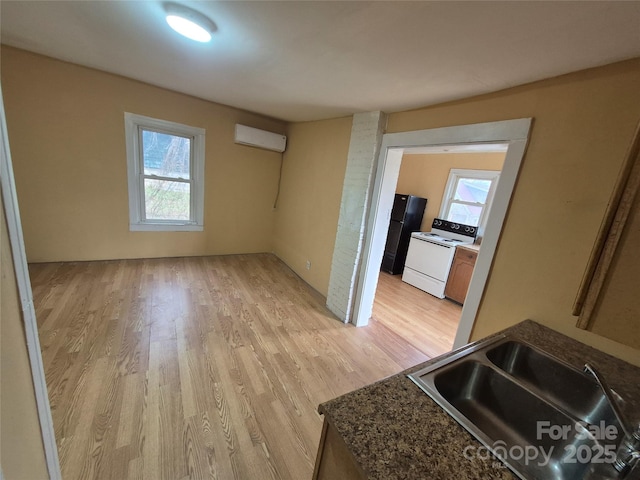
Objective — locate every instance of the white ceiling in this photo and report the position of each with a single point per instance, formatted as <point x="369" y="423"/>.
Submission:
<point x="307" y="60"/>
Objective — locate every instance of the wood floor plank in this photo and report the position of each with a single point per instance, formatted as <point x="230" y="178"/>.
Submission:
<point x="151" y="415"/>
<point x="210" y="367"/>
<point x="132" y="396"/>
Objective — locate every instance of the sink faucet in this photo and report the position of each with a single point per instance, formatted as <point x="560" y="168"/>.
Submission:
<point x="628" y="452"/>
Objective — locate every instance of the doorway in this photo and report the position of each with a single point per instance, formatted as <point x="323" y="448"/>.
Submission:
<point x="513" y="133"/>
<point x="431" y="322"/>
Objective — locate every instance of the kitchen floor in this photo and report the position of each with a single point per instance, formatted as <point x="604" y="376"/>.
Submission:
<point x="427" y="322"/>
<point x="205" y="367"/>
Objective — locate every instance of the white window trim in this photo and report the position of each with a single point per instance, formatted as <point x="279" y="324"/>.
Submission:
<point x="457" y="173"/>
<point x="137" y="221"/>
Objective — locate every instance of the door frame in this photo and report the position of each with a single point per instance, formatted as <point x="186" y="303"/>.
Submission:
<point x="16" y="239"/>
<point x="513" y="133"/>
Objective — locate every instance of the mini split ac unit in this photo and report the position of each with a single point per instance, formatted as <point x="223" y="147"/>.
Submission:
<point x="254" y="137"/>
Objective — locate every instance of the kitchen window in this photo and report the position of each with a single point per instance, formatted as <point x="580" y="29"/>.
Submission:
<point x="165" y="162"/>
<point x="468" y="196"/>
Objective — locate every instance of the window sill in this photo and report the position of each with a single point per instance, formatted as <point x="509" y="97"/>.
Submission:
<point x="165" y="227"/>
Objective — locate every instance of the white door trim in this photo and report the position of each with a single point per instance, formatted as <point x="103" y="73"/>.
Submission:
<point x="514" y="133"/>
<point x="14" y="227"/>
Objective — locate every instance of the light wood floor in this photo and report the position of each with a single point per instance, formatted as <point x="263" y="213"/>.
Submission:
<point x="424" y="321"/>
<point x="209" y="367"/>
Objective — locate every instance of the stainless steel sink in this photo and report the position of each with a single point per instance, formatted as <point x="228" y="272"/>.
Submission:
<point x="531" y="410"/>
<point x="571" y="389"/>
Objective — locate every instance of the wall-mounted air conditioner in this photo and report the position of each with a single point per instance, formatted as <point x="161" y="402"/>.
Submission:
<point x="255" y="137"/>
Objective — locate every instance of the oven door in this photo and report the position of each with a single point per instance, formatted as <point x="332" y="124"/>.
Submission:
<point x="430" y="258"/>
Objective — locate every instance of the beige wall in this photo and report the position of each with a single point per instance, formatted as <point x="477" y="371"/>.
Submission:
<point x="426" y="176"/>
<point x="66" y="128"/>
<point x="21" y="449"/>
<point x="583" y="125"/>
<point x="66" y="131"/>
<point x="309" y="205"/>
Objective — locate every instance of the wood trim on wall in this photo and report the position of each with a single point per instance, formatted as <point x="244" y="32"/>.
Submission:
<point x="627" y="186"/>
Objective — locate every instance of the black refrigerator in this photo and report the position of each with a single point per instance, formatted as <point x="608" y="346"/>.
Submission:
<point x="406" y="218"/>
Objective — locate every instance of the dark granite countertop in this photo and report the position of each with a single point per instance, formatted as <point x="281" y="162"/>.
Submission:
<point x="396" y="431"/>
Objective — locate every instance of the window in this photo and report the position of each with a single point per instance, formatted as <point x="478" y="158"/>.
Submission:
<point x="468" y="196"/>
<point x="165" y="163"/>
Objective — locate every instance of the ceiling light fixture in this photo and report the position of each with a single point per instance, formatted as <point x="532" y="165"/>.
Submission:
<point x="189" y="23"/>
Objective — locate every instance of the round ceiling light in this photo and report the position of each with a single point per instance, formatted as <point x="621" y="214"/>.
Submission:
<point x="189" y="23"/>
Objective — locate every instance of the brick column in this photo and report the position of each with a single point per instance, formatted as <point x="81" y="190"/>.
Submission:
<point x="364" y="147"/>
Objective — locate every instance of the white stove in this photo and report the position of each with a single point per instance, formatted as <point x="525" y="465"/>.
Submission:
<point x="439" y="239"/>
<point x="431" y="253"/>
